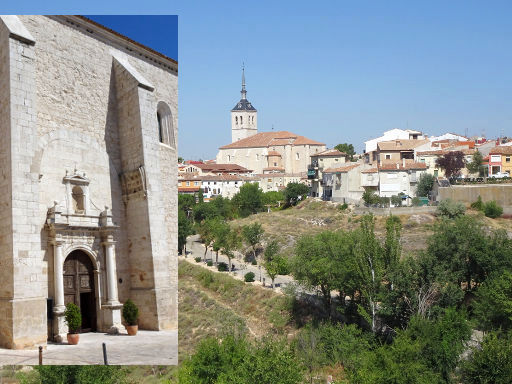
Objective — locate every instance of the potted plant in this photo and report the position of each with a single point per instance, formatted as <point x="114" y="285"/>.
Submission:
<point x="73" y="319"/>
<point x="131" y="314"/>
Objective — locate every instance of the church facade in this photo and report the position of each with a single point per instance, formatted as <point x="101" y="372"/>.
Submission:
<point x="264" y="152"/>
<point x="88" y="183"/>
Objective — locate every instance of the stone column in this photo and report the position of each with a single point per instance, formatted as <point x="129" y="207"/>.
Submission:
<point x="111" y="310"/>
<point x="58" y="275"/>
<point x="110" y="260"/>
<point x="59" y="325"/>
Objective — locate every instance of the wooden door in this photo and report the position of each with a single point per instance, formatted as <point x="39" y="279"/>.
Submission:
<point x="79" y="287"/>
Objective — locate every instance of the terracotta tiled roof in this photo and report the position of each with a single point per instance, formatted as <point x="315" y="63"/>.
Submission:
<point x="441" y="152"/>
<point x="274" y="169"/>
<point x="222" y="168"/>
<point x="222" y="177"/>
<point x="329" y="152"/>
<point x="371" y="170"/>
<point x="274" y="153"/>
<point x="188" y="189"/>
<point x="341" y="169"/>
<point x="268" y="139"/>
<point x="400" y="144"/>
<point x="189" y="177"/>
<point x="401" y="166"/>
<point x="501" y="150"/>
<point x="279" y="174"/>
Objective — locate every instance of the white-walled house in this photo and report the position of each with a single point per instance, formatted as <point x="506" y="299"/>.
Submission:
<point x="399" y="178"/>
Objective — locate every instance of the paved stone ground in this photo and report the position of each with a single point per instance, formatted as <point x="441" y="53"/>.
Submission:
<point x="146" y="348"/>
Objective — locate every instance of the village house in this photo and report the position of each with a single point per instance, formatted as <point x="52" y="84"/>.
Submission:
<point x="500" y="160"/>
<point x="330" y="158"/>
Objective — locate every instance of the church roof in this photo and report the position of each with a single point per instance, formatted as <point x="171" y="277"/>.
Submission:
<point x="273" y="138"/>
<point x="243" y="105"/>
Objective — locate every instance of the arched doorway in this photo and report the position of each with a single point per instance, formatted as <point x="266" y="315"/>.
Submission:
<point x="79" y="287"/>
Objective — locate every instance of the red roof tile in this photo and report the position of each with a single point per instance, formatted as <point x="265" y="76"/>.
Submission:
<point x="268" y="139"/>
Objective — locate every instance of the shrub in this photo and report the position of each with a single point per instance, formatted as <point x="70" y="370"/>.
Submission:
<point x="384" y="201"/>
<point x="73" y="317"/>
<point x="130" y="312"/>
<point x="209" y="263"/>
<point x="396" y="201"/>
<point x="249" y="277"/>
<point x="478" y="204"/>
<point x="451" y="209"/>
<point x="343" y="206"/>
<point x="416" y="202"/>
<point x="254" y="262"/>
<point x="369" y="197"/>
<point x="197" y="259"/>
<point x="492" y="209"/>
<point x="222" y="267"/>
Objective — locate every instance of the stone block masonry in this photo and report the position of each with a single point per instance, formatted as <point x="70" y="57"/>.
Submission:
<point x="78" y="115"/>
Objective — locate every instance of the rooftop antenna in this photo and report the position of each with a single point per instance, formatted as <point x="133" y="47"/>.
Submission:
<point x="466" y="132"/>
<point x="272" y="126"/>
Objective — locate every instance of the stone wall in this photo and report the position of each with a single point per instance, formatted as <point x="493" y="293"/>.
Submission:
<point x="62" y="112"/>
<point x="501" y="193"/>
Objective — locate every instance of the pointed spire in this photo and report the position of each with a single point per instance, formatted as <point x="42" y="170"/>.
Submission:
<point x="243" y="92"/>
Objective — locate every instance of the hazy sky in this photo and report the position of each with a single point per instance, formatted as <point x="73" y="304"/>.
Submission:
<point x="336" y="71"/>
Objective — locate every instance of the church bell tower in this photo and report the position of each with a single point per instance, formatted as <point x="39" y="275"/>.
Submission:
<point x="244" y="117"/>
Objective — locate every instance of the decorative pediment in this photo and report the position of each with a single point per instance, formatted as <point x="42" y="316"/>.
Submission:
<point x="76" y="178"/>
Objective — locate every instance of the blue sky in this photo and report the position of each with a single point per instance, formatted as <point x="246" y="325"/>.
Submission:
<point x="335" y="71"/>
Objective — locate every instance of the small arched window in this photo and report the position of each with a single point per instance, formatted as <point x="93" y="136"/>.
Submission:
<point x="236" y="120"/>
<point x="78" y="199"/>
<point x="241" y="120"/>
<point x="165" y="125"/>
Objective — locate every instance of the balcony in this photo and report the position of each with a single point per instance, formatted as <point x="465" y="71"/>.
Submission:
<point x="312" y="173"/>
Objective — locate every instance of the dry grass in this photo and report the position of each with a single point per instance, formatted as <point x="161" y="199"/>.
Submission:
<point x="214" y="303"/>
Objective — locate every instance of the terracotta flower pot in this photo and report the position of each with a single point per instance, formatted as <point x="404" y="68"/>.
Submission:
<point x="73" y="338"/>
<point x="132" y="329"/>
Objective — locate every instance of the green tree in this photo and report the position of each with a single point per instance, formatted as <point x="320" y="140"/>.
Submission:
<point x="231" y="244"/>
<point x="450" y="209"/>
<point x="220" y="236"/>
<point x="80" y="374"/>
<point x="180" y="159"/>
<point x="270" y="362"/>
<point x="369" y="256"/>
<point x="253" y="233"/>
<point x="273" y="261"/>
<point x="185" y="229"/>
<point x="493" y="304"/>
<point x="294" y="192"/>
<point x="206" y="230"/>
<point x="249" y="199"/>
<point x="213" y="360"/>
<point x="475" y="166"/>
<point x="491" y="363"/>
<point x="186" y="203"/>
<point x="370" y="197"/>
<point x="492" y="209"/>
<point x="425" y="185"/>
<point x="316" y="264"/>
<point x="273" y="198"/>
<point x="346" y="148"/>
